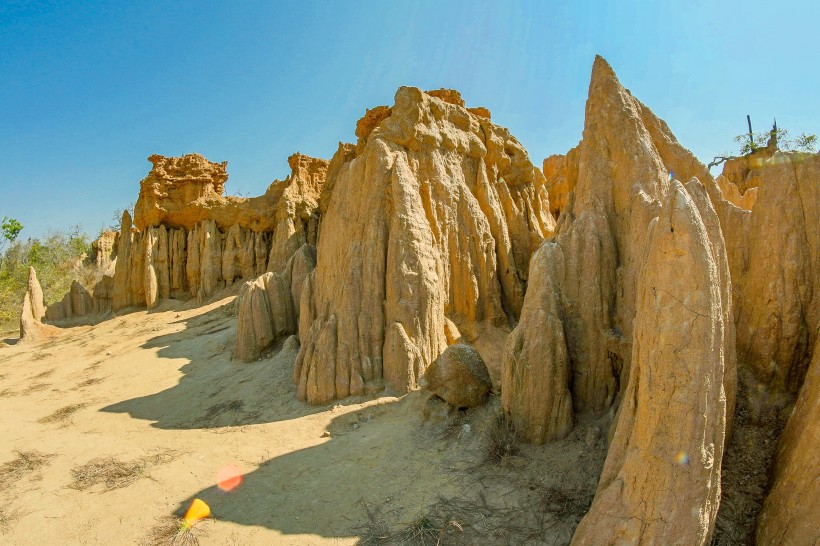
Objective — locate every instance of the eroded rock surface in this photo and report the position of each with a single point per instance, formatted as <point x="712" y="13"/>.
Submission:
<point x="433" y="215"/>
<point x="792" y="509"/>
<point x="661" y="479"/>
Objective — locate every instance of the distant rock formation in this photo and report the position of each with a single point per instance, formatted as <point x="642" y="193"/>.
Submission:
<point x="33" y="311"/>
<point x="190" y="240"/>
<point x="433" y="215"/>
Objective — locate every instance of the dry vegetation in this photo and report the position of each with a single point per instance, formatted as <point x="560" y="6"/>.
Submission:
<point x="172" y="531"/>
<point x="27" y="464"/>
<point x="112" y="473"/>
<point x="63" y="414"/>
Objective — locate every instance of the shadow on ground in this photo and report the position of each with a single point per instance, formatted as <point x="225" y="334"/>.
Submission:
<point x="216" y="391"/>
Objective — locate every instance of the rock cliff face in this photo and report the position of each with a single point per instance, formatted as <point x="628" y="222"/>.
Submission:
<point x="624" y="164"/>
<point x="792" y="509"/>
<point x="775" y="275"/>
<point x="661" y="479"/>
<point x="190" y="240"/>
<point x="432" y="216"/>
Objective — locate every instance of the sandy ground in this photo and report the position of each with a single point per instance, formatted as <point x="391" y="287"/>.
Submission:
<point x="157" y="393"/>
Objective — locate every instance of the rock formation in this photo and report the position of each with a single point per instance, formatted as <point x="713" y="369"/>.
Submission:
<point x="620" y="173"/>
<point x="190" y="240"/>
<point x="560" y="179"/>
<point x="433" y="215"/>
<point x="775" y="276"/>
<point x="33" y="310"/>
<point x="268" y="306"/>
<point x="792" y="508"/>
<point x="661" y="479"/>
<point x="105" y="251"/>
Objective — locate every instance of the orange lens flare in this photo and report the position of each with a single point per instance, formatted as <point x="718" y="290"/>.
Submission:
<point x="229" y="477"/>
<point x="197" y="511"/>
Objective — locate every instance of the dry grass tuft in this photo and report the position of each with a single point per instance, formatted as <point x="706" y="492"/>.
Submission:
<point x="7" y="517"/>
<point x="89" y="382"/>
<point x="63" y="414"/>
<point x="503" y="442"/>
<point x="113" y="473"/>
<point x="27" y="464"/>
<point x="34" y="387"/>
<point x="172" y="531"/>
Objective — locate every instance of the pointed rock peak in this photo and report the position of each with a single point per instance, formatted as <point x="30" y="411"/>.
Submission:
<point x="602" y="72"/>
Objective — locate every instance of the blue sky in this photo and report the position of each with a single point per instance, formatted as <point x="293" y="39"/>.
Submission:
<point x="88" y="90"/>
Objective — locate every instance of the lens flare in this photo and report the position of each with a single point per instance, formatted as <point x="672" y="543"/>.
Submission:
<point x="197" y="511"/>
<point x="229" y="477"/>
<point x="682" y="457"/>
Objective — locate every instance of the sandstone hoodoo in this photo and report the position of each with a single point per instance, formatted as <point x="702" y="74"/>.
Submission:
<point x="589" y="271"/>
<point x="431" y="217"/>
<point x="661" y="480"/>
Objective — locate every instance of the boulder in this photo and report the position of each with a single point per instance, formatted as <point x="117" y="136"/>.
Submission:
<point x="661" y="479"/>
<point x="459" y="377"/>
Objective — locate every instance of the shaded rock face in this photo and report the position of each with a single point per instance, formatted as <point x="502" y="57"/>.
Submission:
<point x="433" y="215"/>
<point x="459" y="377"/>
<point x="744" y="172"/>
<point x="661" y="479"/>
<point x="268" y="306"/>
<point x="792" y="508"/>
<point x="190" y="241"/>
<point x="620" y="174"/>
<point x="561" y="173"/>
<point x="731" y="193"/>
<point x="775" y="275"/>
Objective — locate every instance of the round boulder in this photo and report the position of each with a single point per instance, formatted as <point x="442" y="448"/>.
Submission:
<point x="459" y="376"/>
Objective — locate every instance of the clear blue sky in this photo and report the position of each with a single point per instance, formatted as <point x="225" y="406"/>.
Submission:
<point x="88" y="90"/>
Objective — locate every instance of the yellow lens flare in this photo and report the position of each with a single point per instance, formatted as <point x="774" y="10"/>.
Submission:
<point x="197" y="511"/>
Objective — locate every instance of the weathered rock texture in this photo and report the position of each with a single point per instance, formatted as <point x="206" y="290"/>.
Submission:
<point x="459" y="377"/>
<point x="105" y="251"/>
<point x="661" y="479"/>
<point x="744" y="172"/>
<point x="620" y="173"/>
<point x="191" y="241"/>
<point x="731" y="193"/>
<point x="792" y="509"/>
<point x="33" y="310"/>
<point x="433" y="215"/>
<point x="559" y="171"/>
<point x="268" y="306"/>
<point x="773" y="252"/>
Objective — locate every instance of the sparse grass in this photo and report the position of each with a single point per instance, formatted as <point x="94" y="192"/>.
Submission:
<point x="113" y="473"/>
<point x="35" y="387"/>
<point x="89" y="382"/>
<point x="231" y="407"/>
<point x="27" y="464"/>
<point x="7" y="517"/>
<point x="63" y="414"/>
<point x="172" y="531"/>
<point x="503" y="441"/>
<point x="564" y="504"/>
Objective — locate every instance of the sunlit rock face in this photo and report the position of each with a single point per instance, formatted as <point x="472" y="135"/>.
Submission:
<point x="431" y="218"/>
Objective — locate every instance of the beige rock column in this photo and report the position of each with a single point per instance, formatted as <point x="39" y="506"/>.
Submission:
<point x="661" y="479"/>
<point x="535" y="384"/>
